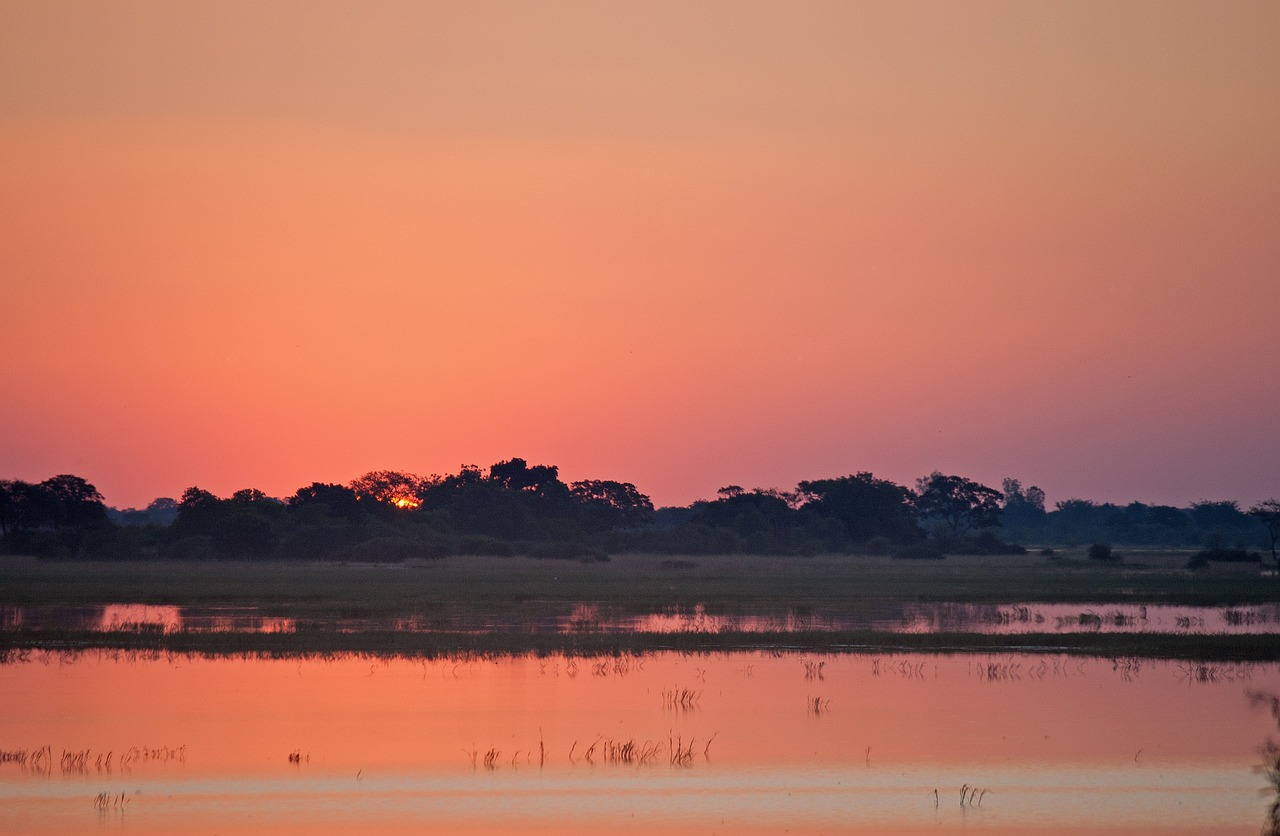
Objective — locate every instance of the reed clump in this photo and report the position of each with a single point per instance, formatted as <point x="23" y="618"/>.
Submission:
<point x="632" y="752"/>
<point x="682" y="699"/>
<point x="36" y="760"/>
<point x="971" y="796"/>
<point x="110" y="801"/>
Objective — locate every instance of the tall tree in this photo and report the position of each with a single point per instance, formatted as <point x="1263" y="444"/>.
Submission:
<point x="1267" y="512"/>
<point x="959" y="503"/>
<point x="612" y="503"/>
<point x="391" y="487"/>
<point x="866" y="506"/>
<point x="518" y="475"/>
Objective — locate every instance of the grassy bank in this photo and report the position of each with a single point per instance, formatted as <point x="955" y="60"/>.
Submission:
<point x="635" y="582"/>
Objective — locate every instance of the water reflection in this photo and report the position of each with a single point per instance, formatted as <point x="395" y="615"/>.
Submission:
<point x="930" y="618"/>
<point x="144" y="618"/>
<point x="731" y="742"/>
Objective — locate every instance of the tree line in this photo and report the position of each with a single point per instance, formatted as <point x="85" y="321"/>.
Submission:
<point x="513" y="508"/>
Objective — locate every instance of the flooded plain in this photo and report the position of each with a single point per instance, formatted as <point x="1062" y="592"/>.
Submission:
<point x="743" y="742"/>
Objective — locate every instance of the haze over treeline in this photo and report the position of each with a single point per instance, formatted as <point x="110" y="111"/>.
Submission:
<point x="515" y="508"/>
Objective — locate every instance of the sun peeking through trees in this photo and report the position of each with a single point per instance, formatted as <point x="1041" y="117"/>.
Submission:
<point x="513" y="508"/>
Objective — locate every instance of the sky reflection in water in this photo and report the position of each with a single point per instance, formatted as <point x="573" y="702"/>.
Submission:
<point x="807" y="743"/>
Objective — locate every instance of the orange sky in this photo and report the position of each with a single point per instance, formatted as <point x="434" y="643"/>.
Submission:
<point x="683" y="245"/>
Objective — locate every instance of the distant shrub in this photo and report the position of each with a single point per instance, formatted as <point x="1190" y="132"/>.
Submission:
<point x="1204" y="557"/>
<point x="562" y="550"/>
<point x="921" y="552"/>
<point x="197" y="547"/>
<point x="481" y="545"/>
<point x="432" y="545"/>
<point x="1047" y="552"/>
<point x="985" y="542"/>
<point x="386" y="550"/>
<point x="878" y="545"/>
<point x="1102" y="552"/>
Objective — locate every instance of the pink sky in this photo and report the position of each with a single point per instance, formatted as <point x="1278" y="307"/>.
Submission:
<point x="683" y="245"/>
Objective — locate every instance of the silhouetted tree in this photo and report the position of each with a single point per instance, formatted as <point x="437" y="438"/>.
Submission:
<point x="757" y="521"/>
<point x="75" y="501"/>
<point x="161" y="511"/>
<point x="961" y="504"/>
<point x="1267" y="512"/>
<point x="330" y="499"/>
<point x="243" y="526"/>
<point x="391" y="487"/>
<point x="10" y="493"/>
<point x="517" y="475"/>
<point x="612" y="503"/>
<point x="865" y="506"/>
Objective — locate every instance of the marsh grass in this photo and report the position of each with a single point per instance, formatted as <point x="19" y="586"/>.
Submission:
<point x="16" y="645"/>
<point x="104" y="802"/>
<point x="681" y="699"/>
<point x="639" y="583"/>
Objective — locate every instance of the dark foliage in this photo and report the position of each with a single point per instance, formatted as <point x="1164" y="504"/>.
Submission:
<point x="1102" y="552"/>
<point x="1204" y="557"/>
<point x="515" y="508"/>
<point x="957" y="505"/>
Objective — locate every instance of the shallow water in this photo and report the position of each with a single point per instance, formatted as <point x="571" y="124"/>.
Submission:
<point x="725" y="743"/>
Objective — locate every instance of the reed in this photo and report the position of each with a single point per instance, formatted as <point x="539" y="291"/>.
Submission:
<point x="110" y="801"/>
<point x="17" y="646"/>
<point x="679" y="752"/>
<point x="682" y="699"/>
<point x="971" y="796"/>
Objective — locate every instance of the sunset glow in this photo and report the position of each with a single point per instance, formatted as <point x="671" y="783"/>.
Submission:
<point x="681" y="245"/>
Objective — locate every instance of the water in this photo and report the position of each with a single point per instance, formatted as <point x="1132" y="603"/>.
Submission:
<point x="744" y="742"/>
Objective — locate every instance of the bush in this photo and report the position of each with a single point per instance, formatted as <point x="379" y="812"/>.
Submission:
<point x="560" y="550"/>
<point x="921" y="552"/>
<point x="196" y="547"/>
<point x="1204" y="557"/>
<point x="1102" y="552"/>
<point x="386" y="550"/>
<point x="878" y="545"/>
<point x="480" y="545"/>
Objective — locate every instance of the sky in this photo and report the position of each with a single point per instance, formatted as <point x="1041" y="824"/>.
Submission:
<point x="685" y="245"/>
